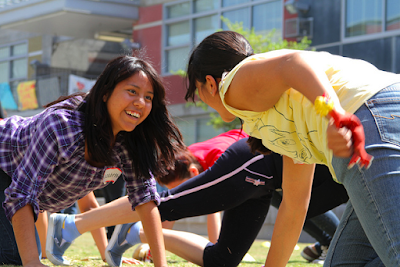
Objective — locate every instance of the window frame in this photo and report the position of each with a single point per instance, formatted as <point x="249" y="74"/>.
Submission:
<point x="193" y="16"/>
<point x="365" y="37"/>
<point x="10" y="58"/>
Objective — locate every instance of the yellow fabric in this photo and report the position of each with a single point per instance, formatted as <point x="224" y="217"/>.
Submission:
<point x="293" y="127"/>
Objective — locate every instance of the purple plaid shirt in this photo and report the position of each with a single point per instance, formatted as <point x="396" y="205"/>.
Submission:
<point x="45" y="157"/>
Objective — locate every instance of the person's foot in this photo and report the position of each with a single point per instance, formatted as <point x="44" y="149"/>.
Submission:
<point x="321" y="259"/>
<point x="118" y="243"/>
<point x="311" y="252"/>
<point x="56" y="245"/>
<point x="143" y="253"/>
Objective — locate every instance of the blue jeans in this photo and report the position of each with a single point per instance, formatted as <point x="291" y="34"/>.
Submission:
<point x="369" y="231"/>
<point x="8" y="247"/>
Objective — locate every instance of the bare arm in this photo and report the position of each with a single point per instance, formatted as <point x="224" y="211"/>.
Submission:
<point x="87" y="203"/>
<point x="296" y="185"/>
<point x="116" y="212"/>
<point x="151" y="222"/>
<point x="24" y="230"/>
<point x="41" y="226"/>
<point x="213" y="226"/>
<point x="269" y="78"/>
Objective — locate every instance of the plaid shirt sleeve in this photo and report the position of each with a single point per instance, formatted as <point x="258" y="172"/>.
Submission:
<point x="37" y="164"/>
<point x="139" y="190"/>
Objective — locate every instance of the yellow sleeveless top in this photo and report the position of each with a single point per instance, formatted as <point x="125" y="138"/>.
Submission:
<point x="292" y="127"/>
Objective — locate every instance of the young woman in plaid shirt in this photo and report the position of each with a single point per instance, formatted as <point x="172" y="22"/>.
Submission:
<point x="78" y="145"/>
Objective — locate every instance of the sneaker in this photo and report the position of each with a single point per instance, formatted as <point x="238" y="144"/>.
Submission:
<point x="55" y="244"/>
<point x="321" y="258"/>
<point x="310" y="253"/>
<point x="143" y="253"/>
<point x="118" y="244"/>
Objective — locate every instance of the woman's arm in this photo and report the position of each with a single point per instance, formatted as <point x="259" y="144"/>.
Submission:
<point x="213" y="226"/>
<point x="269" y="78"/>
<point x="24" y="231"/>
<point x="41" y="226"/>
<point x="151" y="221"/>
<point x="87" y="203"/>
<point x="296" y="186"/>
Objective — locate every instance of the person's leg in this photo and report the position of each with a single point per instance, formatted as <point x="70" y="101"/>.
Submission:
<point x="327" y="222"/>
<point x="317" y="233"/>
<point x="112" y="192"/>
<point x="186" y="245"/>
<point x="350" y="246"/>
<point x="374" y="193"/>
<point x="316" y="252"/>
<point x="8" y="246"/>
<point x="87" y="203"/>
<point x="240" y="227"/>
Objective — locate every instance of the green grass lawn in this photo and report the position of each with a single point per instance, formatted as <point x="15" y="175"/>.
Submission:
<point x="83" y="252"/>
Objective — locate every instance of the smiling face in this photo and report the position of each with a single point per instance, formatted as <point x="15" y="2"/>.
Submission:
<point x="130" y="103"/>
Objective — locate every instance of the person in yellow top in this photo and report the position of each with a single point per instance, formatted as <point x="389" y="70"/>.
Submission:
<point x="274" y="94"/>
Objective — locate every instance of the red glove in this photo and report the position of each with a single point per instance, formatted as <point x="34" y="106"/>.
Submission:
<point x="351" y="122"/>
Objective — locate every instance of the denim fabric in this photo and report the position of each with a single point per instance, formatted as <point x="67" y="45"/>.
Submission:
<point x="369" y="231"/>
<point x="8" y="247"/>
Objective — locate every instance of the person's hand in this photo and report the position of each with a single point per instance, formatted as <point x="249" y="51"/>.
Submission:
<point x="339" y="140"/>
<point x="351" y="122"/>
<point x="130" y="261"/>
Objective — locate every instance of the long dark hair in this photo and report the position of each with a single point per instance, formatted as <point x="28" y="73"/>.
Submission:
<point x="217" y="53"/>
<point x="153" y="141"/>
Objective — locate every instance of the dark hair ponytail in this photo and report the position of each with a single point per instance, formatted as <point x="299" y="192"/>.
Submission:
<point x="217" y="53"/>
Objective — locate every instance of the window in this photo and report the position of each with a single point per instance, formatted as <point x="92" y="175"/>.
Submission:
<point x="14" y="65"/>
<point x="233" y="2"/>
<point x="205" y="26"/>
<point x="19" y="68"/>
<point x="13" y="62"/>
<point x="20" y="49"/>
<point x="371" y="16"/>
<point x="4" y="52"/>
<point x="268" y="17"/>
<point x="392" y="15"/>
<point x="205" y="5"/>
<point x="188" y="22"/>
<point x="177" y="58"/>
<point x="4" y="70"/>
<point x="178" y="33"/>
<point x="238" y="15"/>
<point x="178" y="10"/>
